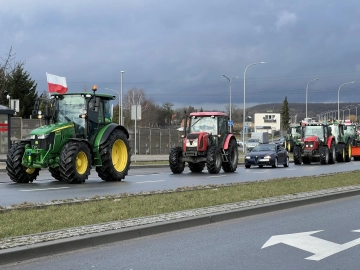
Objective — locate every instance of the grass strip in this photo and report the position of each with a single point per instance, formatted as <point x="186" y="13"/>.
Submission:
<point x="20" y="222"/>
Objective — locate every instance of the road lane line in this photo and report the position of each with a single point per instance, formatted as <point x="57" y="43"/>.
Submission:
<point x="150" y="181"/>
<point x="215" y="176"/>
<point x="42" y="189"/>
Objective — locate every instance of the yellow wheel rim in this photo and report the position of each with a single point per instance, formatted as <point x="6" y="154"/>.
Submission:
<point x="350" y="151"/>
<point x="343" y="153"/>
<point x="81" y="162"/>
<point x="288" y="146"/>
<point x="30" y="170"/>
<point x="119" y="155"/>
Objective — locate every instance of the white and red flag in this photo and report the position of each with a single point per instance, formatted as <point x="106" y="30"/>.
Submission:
<point x="56" y="84"/>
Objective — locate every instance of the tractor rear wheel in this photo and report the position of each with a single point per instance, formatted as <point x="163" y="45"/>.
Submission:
<point x="297" y="155"/>
<point x="115" y="156"/>
<point x="16" y="171"/>
<point x="55" y="172"/>
<point x="175" y="160"/>
<point x="196" y="167"/>
<point x="213" y="160"/>
<point x="348" y="152"/>
<point x="340" y="153"/>
<point x="75" y="162"/>
<point x="232" y="155"/>
<point x="324" y="155"/>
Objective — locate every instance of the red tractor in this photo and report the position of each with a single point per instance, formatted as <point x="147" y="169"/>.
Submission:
<point x="208" y="142"/>
<point x="317" y="144"/>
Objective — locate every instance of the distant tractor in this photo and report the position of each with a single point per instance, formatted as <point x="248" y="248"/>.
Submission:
<point x="317" y="144"/>
<point x="208" y="142"/>
<point x="294" y="134"/>
<point x="78" y="134"/>
<point x="353" y="131"/>
<point x="343" y="141"/>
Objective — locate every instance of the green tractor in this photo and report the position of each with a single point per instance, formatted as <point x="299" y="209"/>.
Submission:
<point x="294" y="135"/>
<point x="78" y="134"/>
<point x="343" y="141"/>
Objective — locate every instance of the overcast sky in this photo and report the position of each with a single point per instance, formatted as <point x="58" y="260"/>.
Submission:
<point x="177" y="51"/>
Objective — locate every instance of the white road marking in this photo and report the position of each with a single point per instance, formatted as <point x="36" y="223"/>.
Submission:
<point x="215" y="176"/>
<point x="150" y="181"/>
<point x="42" y="189"/>
<point x="290" y="169"/>
<point x="262" y="172"/>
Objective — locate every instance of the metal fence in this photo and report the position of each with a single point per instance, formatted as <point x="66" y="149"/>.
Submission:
<point x="148" y="140"/>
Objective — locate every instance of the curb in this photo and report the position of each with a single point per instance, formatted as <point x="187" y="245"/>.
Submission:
<point x="18" y="254"/>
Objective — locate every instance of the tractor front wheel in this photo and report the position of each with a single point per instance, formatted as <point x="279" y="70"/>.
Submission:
<point x="297" y="155"/>
<point x="232" y="156"/>
<point x="115" y="155"/>
<point x="324" y="155"/>
<point x="348" y="152"/>
<point x="332" y="154"/>
<point x="55" y="172"/>
<point x="175" y="160"/>
<point x="75" y="162"/>
<point x="213" y="160"/>
<point x="16" y="171"/>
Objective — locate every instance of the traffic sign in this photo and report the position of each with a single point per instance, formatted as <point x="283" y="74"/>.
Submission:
<point x="230" y="122"/>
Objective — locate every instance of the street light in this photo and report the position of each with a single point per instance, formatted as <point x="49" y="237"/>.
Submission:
<point x="348" y="108"/>
<point x="119" y="100"/>
<point x="356" y="106"/>
<point x="307" y="87"/>
<point x="339" y="97"/>
<point x="230" y="94"/>
<point x="121" y="103"/>
<point x="244" y="102"/>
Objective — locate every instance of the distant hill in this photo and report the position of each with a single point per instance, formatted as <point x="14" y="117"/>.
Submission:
<point x="314" y="109"/>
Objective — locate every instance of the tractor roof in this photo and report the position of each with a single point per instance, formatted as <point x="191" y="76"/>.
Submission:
<point x="104" y="96"/>
<point x="202" y="114"/>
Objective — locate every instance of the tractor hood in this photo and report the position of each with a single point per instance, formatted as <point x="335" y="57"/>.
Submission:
<point x="47" y="129"/>
<point x="311" y="139"/>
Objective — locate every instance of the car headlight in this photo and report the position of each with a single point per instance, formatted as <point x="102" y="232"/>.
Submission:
<point x="32" y="137"/>
<point x="43" y="136"/>
<point x="267" y="157"/>
<point x="247" y="157"/>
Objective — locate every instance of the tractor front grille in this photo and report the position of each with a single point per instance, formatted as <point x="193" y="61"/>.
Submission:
<point x="43" y="143"/>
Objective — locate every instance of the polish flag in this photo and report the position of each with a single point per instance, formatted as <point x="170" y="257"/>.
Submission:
<point x="56" y="84"/>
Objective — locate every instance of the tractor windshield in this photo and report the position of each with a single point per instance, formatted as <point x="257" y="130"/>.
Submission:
<point x="314" y="131"/>
<point x="206" y="124"/>
<point x="68" y="108"/>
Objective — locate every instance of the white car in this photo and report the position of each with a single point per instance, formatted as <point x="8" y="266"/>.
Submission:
<point x="251" y="143"/>
<point x="239" y="142"/>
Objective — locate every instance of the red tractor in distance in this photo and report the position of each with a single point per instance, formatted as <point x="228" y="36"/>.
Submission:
<point x="317" y="144"/>
<point x="207" y="141"/>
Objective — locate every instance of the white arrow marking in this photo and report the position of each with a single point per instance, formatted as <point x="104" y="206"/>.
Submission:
<point x="319" y="247"/>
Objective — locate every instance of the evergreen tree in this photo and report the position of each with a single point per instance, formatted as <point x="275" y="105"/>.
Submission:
<point x="285" y="115"/>
<point x="20" y="86"/>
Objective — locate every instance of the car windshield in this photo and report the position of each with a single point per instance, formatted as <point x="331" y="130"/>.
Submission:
<point x="264" y="147"/>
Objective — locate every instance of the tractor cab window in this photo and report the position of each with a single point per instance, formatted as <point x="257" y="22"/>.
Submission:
<point x="223" y="125"/>
<point x="204" y="124"/>
<point x="107" y="111"/>
<point x="68" y="108"/>
<point x="314" y="131"/>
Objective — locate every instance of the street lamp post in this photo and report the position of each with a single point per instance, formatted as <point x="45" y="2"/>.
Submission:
<point x="230" y="81"/>
<point x="244" y="102"/>
<point x="356" y="106"/>
<point x="119" y="100"/>
<point x="339" y="97"/>
<point x="307" y="87"/>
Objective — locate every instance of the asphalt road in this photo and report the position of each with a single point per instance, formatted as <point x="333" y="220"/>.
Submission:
<point x="235" y="244"/>
<point x="46" y="189"/>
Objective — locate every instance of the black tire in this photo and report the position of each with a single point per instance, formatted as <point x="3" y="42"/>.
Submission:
<point x="75" y="162"/>
<point x="247" y="166"/>
<point x="233" y="157"/>
<point x="324" y="155"/>
<point x="287" y="162"/>
<point x="332" y="154"/>
<point x="196" y="167"/>
<point x="16" y="171"/>
<point x="55" y="172"/>
<point x="297" y="155"/>
<point x="115" y="154"/>
<point x="275" y="163"/>
<point x="261" y="166"/>
<point x="175" y="160"/>
<point x="213" y="160"/>
<point x="340" y="153"/>
<point x="348" y="152"/>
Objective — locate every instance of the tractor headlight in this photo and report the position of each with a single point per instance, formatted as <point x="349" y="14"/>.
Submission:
<point x="43" y="136"/>
<point x="32" y="137"/>
<point x="309" y="145"/>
